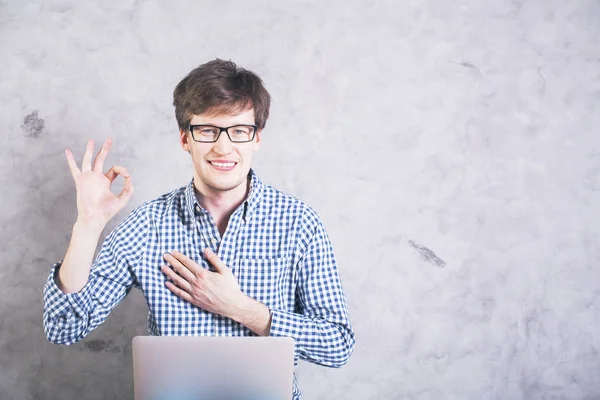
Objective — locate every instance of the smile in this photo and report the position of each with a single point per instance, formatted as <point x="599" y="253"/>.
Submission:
<point x="223" y="165"/>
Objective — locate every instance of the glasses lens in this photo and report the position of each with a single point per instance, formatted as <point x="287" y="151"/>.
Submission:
<point x="241" y="133"/>
<point x="205" y="133"/>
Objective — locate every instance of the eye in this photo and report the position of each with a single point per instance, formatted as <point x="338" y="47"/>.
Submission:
<point x="206" y="130"/>
<point x="242" y="130"/>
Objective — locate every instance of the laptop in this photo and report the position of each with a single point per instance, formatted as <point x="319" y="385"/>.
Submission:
<point x="212" y="368"/>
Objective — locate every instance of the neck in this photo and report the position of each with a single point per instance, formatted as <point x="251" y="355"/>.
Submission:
<point x="221" y="204"/>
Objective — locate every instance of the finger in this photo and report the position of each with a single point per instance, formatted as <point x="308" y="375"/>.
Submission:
<point x="127" y="191"/>
<point x="179" y="292"/>
<point x="72" y="164"/>
<point x="184" y="265"/>
<point x="180" y="268"/>
<point x="115" y="171"/>
<point x="216" y="262"/>
<point x="177" y="279"/>
<point x="99" y="161"/>
<point x="86" y="165"/>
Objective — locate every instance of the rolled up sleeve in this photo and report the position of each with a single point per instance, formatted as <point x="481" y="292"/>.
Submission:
<point x="67" y="318"/>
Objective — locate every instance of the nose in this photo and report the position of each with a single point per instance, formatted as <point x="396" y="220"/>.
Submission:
<point x="223" y="145"/>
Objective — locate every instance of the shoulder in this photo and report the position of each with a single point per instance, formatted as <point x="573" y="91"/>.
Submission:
<point x="151" y="211"/>
<point x="286" y="205"/>
<point x="156" y="208"/>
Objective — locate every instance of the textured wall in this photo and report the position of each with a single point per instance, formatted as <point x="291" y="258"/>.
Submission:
<point x="451" y="148"/>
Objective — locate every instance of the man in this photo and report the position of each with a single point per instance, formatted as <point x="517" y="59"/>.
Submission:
<point x="223" y="255"/>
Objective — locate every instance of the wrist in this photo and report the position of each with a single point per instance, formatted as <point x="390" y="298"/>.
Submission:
<point x="241" y="308"/>
<point x="253" y="314"/>
<point x="88" y="228"/>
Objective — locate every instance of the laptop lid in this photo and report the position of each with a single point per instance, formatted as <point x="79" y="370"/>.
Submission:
<point x="212" y="368"/>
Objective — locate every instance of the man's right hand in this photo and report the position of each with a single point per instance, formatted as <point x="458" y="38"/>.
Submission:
<point x="96" y="204"/>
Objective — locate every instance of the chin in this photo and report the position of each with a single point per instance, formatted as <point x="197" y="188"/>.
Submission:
<point x="225" y="184"/>
<point x="223" y="187"/>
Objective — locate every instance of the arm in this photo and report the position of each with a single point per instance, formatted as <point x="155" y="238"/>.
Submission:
<point x="69" y="296"/>
<point x="75" y="268"/>
<point x="321" y="327"/>
<point x="68" y="317"/>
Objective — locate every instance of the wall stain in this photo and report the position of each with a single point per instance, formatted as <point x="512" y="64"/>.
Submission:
<point x="472" y="67"/>
<point x="427" y="254"/>
<point x="33" y="125"/>
<point x="98" y="345"/>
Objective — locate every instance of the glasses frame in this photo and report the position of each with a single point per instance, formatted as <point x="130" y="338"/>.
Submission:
<point x="221" y="130"/>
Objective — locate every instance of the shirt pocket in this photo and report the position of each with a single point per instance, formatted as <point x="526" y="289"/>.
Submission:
<point x="263" y="279"/>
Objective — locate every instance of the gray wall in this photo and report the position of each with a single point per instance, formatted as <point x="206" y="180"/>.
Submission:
<point x="451" y="148"/>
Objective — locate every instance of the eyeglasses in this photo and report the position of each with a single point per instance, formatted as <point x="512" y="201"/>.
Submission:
<point x="235" y="133"/>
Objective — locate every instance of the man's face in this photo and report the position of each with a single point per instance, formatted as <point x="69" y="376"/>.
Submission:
<point x="212" y="161"/>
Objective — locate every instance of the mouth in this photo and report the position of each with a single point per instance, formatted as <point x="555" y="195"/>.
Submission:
<point x="223" y="165"/>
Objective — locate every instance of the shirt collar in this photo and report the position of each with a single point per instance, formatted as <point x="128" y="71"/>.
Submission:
<point x="250" y="204"/>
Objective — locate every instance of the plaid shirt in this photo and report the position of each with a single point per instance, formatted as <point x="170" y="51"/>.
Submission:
<point x="275" y="245"/>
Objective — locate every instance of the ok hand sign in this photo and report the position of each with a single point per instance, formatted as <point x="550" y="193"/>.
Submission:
<point x="96" y="204"/>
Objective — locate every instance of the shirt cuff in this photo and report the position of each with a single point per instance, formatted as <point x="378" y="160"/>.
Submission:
<point x="287" y="324"/>
<point x="59" y="304"/>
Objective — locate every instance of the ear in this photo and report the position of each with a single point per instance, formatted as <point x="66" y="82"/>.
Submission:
<point x="257" y="139"/>
<point x="184" y="140"/>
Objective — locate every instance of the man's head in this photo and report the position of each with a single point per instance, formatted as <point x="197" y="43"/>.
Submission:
<point x="221" y="94"/>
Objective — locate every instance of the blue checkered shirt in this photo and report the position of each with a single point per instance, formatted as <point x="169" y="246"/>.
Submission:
<point x="275" y="245"/>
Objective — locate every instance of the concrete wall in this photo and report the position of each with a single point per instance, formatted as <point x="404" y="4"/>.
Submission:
<point x="451" y="148"/>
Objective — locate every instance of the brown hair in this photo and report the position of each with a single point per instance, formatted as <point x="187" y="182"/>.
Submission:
<point x="220" y="87"/>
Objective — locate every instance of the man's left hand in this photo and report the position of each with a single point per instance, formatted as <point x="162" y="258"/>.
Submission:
<point x="217" y="292"/>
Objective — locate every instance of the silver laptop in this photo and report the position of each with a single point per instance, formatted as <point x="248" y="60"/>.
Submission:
<point x="212" y="368"/>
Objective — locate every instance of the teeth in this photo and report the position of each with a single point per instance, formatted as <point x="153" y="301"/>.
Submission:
<point x="222" y="165"/>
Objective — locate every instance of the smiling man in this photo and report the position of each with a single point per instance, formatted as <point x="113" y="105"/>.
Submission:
<point x="224" y="255"/>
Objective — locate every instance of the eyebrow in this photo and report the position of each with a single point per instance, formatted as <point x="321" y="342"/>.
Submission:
<point x="222" y="126"/>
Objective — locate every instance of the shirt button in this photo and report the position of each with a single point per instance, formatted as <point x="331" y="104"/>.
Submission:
<point x="213" y="241"/>
<point x="197" y="208"/>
